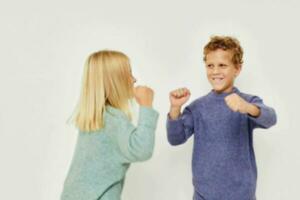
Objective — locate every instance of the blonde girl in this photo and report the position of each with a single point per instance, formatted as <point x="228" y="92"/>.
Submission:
<point x="107" y="140"/>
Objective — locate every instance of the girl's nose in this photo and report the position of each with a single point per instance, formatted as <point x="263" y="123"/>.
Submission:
<point x="133" y="79"/>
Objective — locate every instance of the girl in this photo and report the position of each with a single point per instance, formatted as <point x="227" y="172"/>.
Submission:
<point x="108" y="142"/>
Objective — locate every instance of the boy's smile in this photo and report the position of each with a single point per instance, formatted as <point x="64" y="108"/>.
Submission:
<point x="220" y="70"/>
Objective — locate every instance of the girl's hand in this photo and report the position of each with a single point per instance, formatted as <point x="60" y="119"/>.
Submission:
<point x="144" y="95"/>
<point x="179" y="97"/>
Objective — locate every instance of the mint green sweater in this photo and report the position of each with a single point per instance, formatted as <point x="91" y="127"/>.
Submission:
<point x="101" y="158"/>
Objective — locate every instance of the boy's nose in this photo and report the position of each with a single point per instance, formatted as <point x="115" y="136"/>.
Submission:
<point x="215" y="70"/>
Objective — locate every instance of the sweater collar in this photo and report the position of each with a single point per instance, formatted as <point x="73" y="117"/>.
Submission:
<point x="223" y="94"/>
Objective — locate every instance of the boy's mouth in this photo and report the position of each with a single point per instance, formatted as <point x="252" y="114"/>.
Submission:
<point x="217" y="79"/>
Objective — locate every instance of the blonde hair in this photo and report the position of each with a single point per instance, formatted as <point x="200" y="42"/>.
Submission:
<point x="225" y="43"/>
<point x="106" y="81"/>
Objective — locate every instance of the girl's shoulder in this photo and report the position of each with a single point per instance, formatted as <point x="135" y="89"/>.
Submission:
<point x="115" y="119"/>
<point x="115" y="113"/>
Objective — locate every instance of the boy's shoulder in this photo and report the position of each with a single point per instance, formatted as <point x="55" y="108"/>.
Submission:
<point x="203" y="100"/>
<point x="248" y="97"/>
<point x="199" y="101"/>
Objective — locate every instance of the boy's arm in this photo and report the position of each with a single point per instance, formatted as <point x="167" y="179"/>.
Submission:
<point x="260" y="115"/>
<point x="266" y="116"/>
<point x="181" y="128"/>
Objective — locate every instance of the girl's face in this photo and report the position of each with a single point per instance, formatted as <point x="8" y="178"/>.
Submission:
<point x="132" y="78"/>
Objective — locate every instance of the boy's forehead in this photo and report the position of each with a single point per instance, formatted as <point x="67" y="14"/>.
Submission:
<point x="219" y="54"/>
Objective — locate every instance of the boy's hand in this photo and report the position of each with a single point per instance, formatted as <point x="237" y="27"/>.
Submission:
<point x="238" y="104"/>
<point x="177" y="98"/>
<point x="144" y="95"/>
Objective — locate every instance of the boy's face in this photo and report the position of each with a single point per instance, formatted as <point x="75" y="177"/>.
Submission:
<point x="220" y="70"/>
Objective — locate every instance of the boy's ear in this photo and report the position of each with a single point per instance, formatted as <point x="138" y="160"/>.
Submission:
<point x="238" y="69"/>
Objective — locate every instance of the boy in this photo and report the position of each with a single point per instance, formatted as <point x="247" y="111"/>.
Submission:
<point x="222" y="122"/>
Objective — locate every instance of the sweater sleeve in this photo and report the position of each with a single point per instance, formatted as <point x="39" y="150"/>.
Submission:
<point x="267" y="117"/>
<point x="179" y="130"/>
<point x="137" y="143"/>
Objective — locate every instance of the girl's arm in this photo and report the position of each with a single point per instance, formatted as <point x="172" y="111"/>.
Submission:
<point x="137" y="143"/>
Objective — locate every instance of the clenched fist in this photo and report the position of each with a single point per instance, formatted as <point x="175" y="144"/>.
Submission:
<point x="177" y="98"/>
<point x="238" y="104"/>
<point x="144" y="95"/>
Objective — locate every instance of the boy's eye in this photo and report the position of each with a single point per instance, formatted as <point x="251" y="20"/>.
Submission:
<point x="223" y="65"/>
<point x="209" y="66"/>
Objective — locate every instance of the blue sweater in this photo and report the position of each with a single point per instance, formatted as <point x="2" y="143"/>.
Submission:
<point x="223" y="163"/>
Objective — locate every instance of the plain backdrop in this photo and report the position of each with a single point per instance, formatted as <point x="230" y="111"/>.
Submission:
<point x="43" y="46"/>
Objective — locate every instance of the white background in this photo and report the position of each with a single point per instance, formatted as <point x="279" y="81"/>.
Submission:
<point x="43" y="45"/>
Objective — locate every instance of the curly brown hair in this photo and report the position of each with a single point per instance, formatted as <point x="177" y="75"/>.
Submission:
<point x="225" y="43"/>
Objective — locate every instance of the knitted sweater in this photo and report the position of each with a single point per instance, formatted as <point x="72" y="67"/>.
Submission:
<point x="101" y="158"/>
<point x="223" y="162"/>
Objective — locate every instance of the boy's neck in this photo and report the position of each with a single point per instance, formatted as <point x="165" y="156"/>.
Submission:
<point x="222" y="94"/>
<point x="227" y="90"/>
